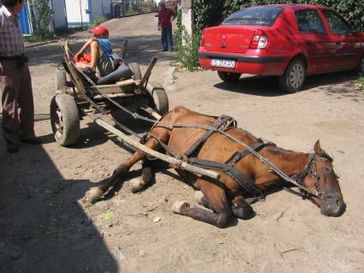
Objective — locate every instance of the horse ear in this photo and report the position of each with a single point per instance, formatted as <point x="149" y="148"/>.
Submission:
<point x="320" y="152"/>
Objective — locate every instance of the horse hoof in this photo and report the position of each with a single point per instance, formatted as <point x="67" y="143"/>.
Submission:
<point x="93" y="195"/>
<point x="198" y="196"/>
<point x="178" y="206"/>
<point x="136" y="184"/>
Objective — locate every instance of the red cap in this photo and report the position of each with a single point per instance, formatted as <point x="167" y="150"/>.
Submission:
<point x="100" y="31"/>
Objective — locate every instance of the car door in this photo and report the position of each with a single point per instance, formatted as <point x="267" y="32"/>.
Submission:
<point x="347" y="51"/>
<point x="315" y="39"/>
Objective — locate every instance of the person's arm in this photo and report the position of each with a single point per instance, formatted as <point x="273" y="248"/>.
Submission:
<point x="94" y="54"/>
<point x="83" y="48"/>
<point x="159" y="22"/>
<point x="173" y="15"/>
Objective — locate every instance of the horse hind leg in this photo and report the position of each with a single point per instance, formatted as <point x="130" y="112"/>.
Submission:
<point x="95" y="193"/>
<point x="147" y="178"/>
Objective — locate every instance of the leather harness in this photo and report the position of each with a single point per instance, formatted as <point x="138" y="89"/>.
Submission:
<point x="224" y="123"/>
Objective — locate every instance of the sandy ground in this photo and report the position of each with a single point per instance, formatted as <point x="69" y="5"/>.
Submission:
<point x="44" y="228"/>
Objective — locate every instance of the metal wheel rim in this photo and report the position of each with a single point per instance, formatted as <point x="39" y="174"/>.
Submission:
<point x="296" y="75"/>
<point x="58" y="124"/>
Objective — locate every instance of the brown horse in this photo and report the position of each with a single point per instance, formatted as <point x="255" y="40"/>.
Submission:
<point x="209" y="141"/>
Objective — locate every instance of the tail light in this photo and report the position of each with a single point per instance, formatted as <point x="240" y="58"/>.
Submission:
<point x="259" y="40"/>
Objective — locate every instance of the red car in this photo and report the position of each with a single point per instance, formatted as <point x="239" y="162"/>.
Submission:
<point x="289" y="41"/>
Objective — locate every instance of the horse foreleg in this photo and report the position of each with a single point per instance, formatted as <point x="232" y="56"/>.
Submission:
<point x="221" y="216"/>
<point x="241" y="208"/>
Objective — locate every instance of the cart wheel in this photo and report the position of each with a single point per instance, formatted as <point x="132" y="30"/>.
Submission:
<point x="159" y="96"/>
<point x="65" y="119"/>
<point x="61" y="80"/>
<point x="136" y="70"/>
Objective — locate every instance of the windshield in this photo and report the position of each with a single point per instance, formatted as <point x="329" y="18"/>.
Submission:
<point x="260" y="16"/>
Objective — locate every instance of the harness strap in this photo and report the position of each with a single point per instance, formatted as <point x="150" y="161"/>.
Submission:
<point x="242" y="179"/>
<point x="218" y="124"/>
<point x="241" y="154"/>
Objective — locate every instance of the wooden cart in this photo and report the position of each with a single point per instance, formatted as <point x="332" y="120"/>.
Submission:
<point x="76" y="96"/>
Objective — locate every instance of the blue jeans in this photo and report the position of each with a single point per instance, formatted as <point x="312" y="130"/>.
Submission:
<point x="167" y="39"/>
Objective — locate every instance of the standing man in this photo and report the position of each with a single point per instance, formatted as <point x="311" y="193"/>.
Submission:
<point x="165" y="18"/>
<point x="15" y="80"/>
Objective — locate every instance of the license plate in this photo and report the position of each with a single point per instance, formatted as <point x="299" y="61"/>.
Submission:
<point x="223" y="63"/>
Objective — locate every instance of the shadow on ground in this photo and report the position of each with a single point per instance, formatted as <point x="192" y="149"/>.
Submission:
<point x="268" y="86"/>
<point x="43" y="228"/>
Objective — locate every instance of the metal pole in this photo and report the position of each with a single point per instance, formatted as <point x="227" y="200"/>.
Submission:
<point x="80" y="1"/>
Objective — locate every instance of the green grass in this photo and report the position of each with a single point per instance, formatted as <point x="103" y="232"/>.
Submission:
<point x="360" y="83"/>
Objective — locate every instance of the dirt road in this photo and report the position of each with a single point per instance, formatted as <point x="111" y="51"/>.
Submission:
<point x="44" y="228"/>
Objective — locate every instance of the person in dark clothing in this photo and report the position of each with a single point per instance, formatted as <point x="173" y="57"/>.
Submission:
<point x="165" y="18"/>
<point x="15" y="80"/>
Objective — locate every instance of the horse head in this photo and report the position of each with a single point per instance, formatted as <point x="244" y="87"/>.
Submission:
<point x="322" y="183"/>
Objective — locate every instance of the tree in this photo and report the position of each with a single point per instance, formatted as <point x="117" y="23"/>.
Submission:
<point x="41" y="15"/>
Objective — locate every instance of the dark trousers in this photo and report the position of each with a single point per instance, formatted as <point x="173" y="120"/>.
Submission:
<point x="167" y="38"/>
<point x="17" y="101"/>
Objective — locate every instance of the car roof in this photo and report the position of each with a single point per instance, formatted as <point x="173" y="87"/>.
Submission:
<point x="293" y="6"/>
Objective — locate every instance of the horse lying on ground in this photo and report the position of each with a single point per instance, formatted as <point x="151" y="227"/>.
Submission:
<point x="238" y="157"/>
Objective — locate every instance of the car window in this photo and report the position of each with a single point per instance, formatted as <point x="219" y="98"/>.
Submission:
<point x="309" y="21"/>
<point x="337" y="24"/>
<point x="261" y="16"/>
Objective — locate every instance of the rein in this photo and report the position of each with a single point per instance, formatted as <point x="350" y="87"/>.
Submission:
<point x="265" y="161"/>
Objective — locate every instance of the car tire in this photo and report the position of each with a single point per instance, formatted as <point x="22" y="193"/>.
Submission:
<point x="159" y="96"/>
<point x="65" y="120"/>
<point x="294" y="77"/>
<point x="228" y="76"/>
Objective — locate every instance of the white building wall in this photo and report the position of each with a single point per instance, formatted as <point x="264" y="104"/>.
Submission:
<point x="59" y="13"/>
<point x="78" y="12"/>
<point x="100" y="8"/>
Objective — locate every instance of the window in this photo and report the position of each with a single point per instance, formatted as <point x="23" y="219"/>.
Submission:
<point x="309" y="21"/>
<point x="337" y="24"/>
<point x="261" y="16"/>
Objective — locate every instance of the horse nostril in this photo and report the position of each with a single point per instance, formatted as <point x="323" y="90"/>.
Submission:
<point x="338" y="202"/>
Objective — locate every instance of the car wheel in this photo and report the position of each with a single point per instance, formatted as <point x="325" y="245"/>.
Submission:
<point x="65" y="119"/>
<point x="229" y="76"/>
<point x="294" y="77"/>
<point x="160" y="98"/>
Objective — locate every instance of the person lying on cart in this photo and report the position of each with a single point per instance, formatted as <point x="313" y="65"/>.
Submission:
<point x="97" y="60"/>
<point x="96" y="53"/>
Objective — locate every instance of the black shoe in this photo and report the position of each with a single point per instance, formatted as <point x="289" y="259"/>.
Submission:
<point x="31" y="140"/>
<point x="12" y="147"/>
